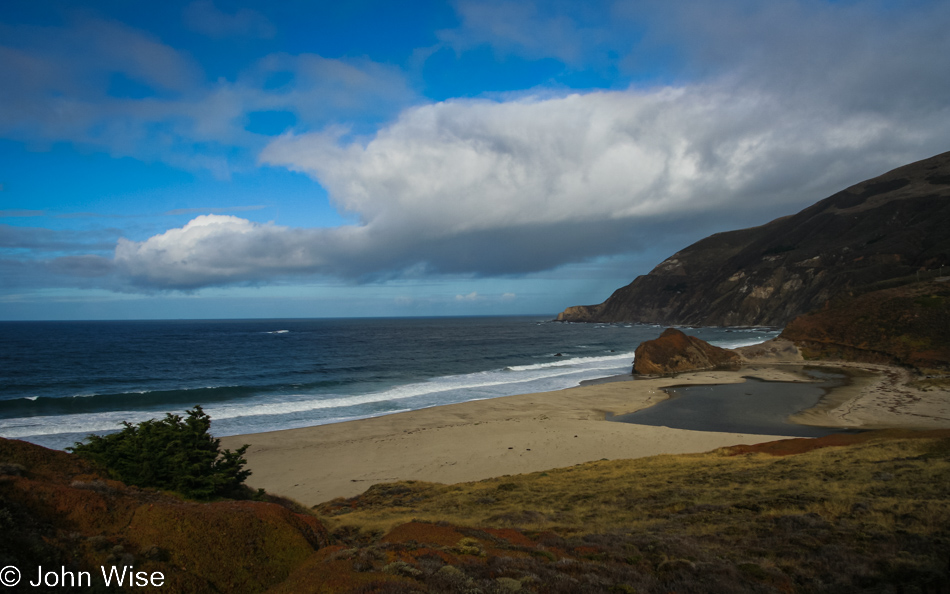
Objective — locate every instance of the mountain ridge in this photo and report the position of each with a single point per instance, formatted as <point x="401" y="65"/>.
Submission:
<point x="881" y="229"/>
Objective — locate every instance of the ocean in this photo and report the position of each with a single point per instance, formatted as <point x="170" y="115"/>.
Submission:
<point x="60" y="381"/>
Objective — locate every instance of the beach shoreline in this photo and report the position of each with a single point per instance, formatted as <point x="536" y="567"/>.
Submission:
<point x="878" y="396"/>
<point x="482" y="439"/>
<point x="533" y="432"/>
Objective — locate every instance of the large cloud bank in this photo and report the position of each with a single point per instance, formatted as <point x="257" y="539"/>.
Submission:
<point x="762" y="109"/>
<point x="506" y="187"/>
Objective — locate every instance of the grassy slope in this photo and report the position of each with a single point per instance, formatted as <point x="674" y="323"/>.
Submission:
<point x="867" y="516"/>
<point x="871" y="514"/>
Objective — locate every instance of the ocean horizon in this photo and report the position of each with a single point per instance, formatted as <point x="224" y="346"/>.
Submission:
<point x="62" y="380"/>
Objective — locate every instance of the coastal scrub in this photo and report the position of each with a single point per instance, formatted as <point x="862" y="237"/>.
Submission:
<point x="175" y="454"/>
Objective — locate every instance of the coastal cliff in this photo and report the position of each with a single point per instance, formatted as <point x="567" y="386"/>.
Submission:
<point x="892" y="228"/>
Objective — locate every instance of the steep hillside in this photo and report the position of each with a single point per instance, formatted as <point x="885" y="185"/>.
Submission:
<point x="57" y="510"/>
<point x="908" y="325"/>
<point x="889" y="227"/>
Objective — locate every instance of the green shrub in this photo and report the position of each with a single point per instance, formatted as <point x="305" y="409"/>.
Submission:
<point x="174" y="453"/>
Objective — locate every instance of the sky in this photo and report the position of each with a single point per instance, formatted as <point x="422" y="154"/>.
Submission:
<point x="250" y="159"/>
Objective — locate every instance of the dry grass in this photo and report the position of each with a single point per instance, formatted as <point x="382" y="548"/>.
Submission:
<point x="871" y="516"/>
<point x="888" y="477"/>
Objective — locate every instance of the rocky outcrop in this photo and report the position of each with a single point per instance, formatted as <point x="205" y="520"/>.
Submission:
<point x="908" y="325"/>
<point x="676" y="352"/>
<point x="579" y="313"/>
<point x="888" y="228"/>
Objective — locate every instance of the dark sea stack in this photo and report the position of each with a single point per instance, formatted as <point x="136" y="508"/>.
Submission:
<point x="907" y="325"/>
<point x="676" y="352"/>
<point x="889" y="227"/>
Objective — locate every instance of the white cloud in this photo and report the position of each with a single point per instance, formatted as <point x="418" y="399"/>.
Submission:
<point x="488" y="188"/>
<point x="470" y="166"/>
<point x="473" y="296"/>
<point x="867" y="52"/>
<point x="786" y="102"/>
<point x="108" y="86"/>
<point x="217" y="249"/>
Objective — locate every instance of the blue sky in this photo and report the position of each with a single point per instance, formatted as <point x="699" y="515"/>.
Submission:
<point x="211" y="158"/>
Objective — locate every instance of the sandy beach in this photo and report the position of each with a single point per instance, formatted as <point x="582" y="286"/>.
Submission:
<point x="534" y="432"/>
<point x="479" y="439"/>
<point x="877" y="397"/>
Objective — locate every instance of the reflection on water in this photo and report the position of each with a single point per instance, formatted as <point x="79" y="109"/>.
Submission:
<point x="754" y="406"/>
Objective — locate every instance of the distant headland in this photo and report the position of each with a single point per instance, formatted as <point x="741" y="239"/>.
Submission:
<point x="888" y="231"/>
